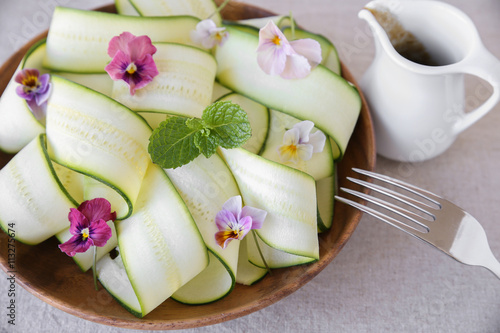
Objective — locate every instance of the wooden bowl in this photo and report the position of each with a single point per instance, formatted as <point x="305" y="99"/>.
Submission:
<point x="53" y="277"/>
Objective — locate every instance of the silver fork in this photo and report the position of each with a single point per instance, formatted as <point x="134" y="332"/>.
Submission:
<point x="440" y="223"/>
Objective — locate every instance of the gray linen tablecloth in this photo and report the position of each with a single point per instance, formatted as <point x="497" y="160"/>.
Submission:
<point x="383" y="280"/>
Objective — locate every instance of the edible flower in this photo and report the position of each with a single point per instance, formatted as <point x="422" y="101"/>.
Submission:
<point x="234" y="222"/>
<point x="207" y="34"/>
<point x="300" y="144"/>
<point x="132" y="60"/>
<point x="88" y="226"/>
<point x="290" y="60"/>
<point x="35" y="89"/>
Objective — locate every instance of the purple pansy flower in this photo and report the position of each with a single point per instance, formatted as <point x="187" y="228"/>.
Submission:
<point x="132" y="60"/>
<point x="88" y="226"/>
<point x="235" y="222"/>
<point x="35" y="89"/>
<point x="290" y="60"/>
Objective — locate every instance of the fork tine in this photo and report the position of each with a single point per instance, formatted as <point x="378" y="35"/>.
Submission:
<point x="417" y="219"/>
<point x="403" y="185"/>
<point x="381" y="216"/>
<point x="421" y="206"/>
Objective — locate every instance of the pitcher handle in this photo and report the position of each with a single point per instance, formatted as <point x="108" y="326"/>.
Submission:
<point x="486" y="66"/>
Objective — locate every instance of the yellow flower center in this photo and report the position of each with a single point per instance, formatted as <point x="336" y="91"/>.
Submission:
<point x="276" y="40"/>
<point x="30" y="81"/>
<point x="85" y="233"/>
<point x="131" y="68"/>
<point x="290" y="150"/>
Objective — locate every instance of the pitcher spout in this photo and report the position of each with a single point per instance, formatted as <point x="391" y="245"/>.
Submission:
<point x="390" y="34"/>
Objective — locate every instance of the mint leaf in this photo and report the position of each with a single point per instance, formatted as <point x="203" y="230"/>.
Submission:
<point x="228" y="123"/>
<point x="206" y="143"/>
<point x="172" y="144"/>
<point x="195" y="123"/>
<point x="179" y="140"/>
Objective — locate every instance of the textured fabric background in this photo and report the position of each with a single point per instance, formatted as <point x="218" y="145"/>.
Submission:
<point x="383" y="280"/>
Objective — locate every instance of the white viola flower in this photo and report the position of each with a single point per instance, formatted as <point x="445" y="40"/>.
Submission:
<point x="207" y="34"/>
<point x="290" y="60"/>
<point x="300" y="144"/>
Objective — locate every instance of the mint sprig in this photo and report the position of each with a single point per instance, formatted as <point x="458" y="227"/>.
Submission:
<point x="179" y="140"/>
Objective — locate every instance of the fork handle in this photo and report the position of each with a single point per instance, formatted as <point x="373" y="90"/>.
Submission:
<point x="492" y="264"/>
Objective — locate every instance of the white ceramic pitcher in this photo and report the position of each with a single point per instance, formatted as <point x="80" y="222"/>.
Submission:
<point x="418" y="110"/>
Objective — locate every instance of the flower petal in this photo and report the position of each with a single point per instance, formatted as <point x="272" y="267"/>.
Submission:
<point x="78" y="221"/>
<point x="304" y="128"/>
<point x="271" y="34"/>
<point x="244" y="226"/>
<point x="225" y="220"/>
<point x="222" y="238"/>
<point x="219" y="35"/>
<point x="120" y="43"/>
<point x="76" y="244"/>
<point x="317" y="141"/>
<point x="233" y="205"/>
<point x="308" y="48"/>
<point x="296" y="67"/>
<point x="43" y="94"/>
<point x="146" y="71"/>
<point x="116" y="68"/>
<point x="202" y="32"/>
<point x="258" y="216"/>
<point x="304" y="152"/>
<point x="139" y="47"/>
<point x="26" y="74"/>
<point x="273" y="49"/>
<point x="39" y="111"/>
<point x="271" y="60"/>
<point x="97" y="209"/>
<point x="100" y="232"/>
<point x="291" y="137"/>
<point x="23" y="94"/>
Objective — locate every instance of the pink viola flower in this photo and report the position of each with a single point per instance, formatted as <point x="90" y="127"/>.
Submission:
<point x="290" y="60"/>
<point x="207" y="34"/>
<point x="88" y="226"/>
<point x="300" y="144"/>
<point x="132" y="60"/>
<point x="234" y="222"/>
<point x="35" y="89"/>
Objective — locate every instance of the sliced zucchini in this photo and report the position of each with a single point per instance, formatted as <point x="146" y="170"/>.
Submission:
<point x="160" y="245"/>
<point x="18" y="126"/>
<point x="321" y="163"/>
<point x="154" y="119"/>
<point x="78" y="39"/>
<point x="219" y="91"/>
<point x="286" y="194"/>
<point x="183" y="87"/>
<point x="99" y="138"/>
<point x="124" y="7"/>
<point x="113" y="277"/>
<point x="330" y="57"/>
<point x="248" y="273"/>
<point x="201" y="9"/>
<point x="99" y="82"/>
<point x="33" y="201"/>
<point x="325" y="193"/>
<point x="205" y="185"/>
<point x="280" y="21"/>
<point x="274" y="258"/>
<point x="322" y="97"/>
<point x="209" y="286"/>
